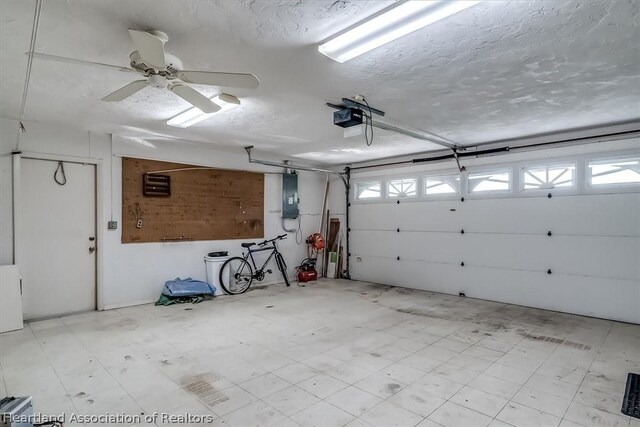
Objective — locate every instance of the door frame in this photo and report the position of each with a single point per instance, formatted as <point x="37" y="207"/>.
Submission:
<point x="18" y="239"/>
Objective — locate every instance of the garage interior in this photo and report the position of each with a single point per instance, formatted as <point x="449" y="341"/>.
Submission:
<point x="320" y="213"/>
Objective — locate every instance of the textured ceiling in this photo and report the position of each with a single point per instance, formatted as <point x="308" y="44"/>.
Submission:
<point x="499" y="70"/>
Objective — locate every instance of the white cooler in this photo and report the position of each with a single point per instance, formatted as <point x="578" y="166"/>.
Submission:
<point x="213" y="266"/>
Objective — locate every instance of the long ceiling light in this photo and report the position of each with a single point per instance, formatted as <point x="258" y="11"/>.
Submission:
<point x="194" y="115"/>
<point x="390" y="24"/>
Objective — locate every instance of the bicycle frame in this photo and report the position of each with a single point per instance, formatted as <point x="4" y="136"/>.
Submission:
<point x="249" y="256"/>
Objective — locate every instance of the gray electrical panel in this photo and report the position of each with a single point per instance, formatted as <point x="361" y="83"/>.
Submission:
<point x="290" y="195"/>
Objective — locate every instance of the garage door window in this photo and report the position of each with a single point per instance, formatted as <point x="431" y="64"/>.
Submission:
<point x="548" y="177"/>
<point x="490" y="181"/>
<point x="613" y="172"/>
<point x="368" y="190"/>
<point x="441" y="184"/>
<point x="406" y="187"/>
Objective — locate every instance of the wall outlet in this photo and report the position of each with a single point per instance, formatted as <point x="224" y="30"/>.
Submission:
<point x="139" y="224"/>
<point x="112" y="225"/>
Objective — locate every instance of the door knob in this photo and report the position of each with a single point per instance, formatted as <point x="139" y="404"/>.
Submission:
<point x="92" y="250"/>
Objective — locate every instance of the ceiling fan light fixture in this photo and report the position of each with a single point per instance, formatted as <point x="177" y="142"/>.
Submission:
<point x="389" y="25"/>
<point x="194" y="115"/>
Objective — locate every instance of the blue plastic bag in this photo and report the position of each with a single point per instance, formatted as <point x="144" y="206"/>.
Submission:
<point x="187" y="287"/>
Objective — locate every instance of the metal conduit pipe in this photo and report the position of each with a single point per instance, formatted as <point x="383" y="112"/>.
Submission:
<point x="292" y="166"/>
<point x="344" y="177"/>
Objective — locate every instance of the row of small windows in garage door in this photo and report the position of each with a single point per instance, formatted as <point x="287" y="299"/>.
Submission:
<point x="599" y="173"/>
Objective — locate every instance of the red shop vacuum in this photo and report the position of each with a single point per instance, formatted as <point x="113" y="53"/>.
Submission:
<point x="306" y="271"/>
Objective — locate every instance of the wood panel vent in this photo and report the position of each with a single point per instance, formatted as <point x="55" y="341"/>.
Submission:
<point x="156" y="185"/>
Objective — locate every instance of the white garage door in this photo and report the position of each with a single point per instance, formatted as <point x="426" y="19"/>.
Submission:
<point x="500" y="249"/>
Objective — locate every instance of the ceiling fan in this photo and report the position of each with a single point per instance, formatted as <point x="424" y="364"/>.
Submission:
<point x="164" y="71"/>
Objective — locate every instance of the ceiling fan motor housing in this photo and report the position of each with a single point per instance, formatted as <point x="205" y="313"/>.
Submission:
<point x="173" y="64"/>
<point x="158" y="81"/>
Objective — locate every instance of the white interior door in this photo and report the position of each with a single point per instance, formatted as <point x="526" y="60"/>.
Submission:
<point x="57" y="238"/>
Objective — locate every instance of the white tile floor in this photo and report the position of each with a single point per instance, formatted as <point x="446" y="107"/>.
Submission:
<point x="334" y="353"/>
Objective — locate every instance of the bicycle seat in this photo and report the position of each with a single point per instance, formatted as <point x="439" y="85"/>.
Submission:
<point x="247" y="245"/>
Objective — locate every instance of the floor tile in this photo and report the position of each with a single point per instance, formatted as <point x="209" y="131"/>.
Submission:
<point x="567" y="423"/>
<point x="295" y="372"/>
<point x="428" y="423"/>
<point x="255" y="414"/>
<point x="599" y="400"/>
<point x="148" y="358"/>
<point x="453" y="415"/>
<point x="322" y="362"/>
<point x="380" y="385"/>
<point x="552" y="386"/>
<point x="353" y="400"/>
<point x="416" y="399"/>
<point x="523" y="416"/>
<point x="228" y="400"/>
<point x="387" y="414"/>
<point x="291" y="400"/>
<point x="348" y="372"/>
<point x="439" y="386"/>
<point x="456" y="373"/>
<point x="542" y="401"/>
<point x="495" y="386"/>
<point x="402" y="373"/>
<point x="479" y="401"/>
<point x="507" y="373"/>
<point x="322" y="385"/>
<point x="264" y="385"/>
<point x="589" y="416"/>
<point x="322" y="414"/>
<point x="357" y="423"/>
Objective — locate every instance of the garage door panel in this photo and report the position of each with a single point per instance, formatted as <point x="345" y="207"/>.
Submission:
<point x="375" y="243"/>
<point x="424" y="216"/>
<point x="588" y="215"/>
<point x="589" y="296"/>
<point x="369" y="216"/>
<point x="437" y="247"/>
<point x="375" y="270"/>
<point x="601" y="256"/>
<point x="428" y="216"/>
<point x="597" y="256"/>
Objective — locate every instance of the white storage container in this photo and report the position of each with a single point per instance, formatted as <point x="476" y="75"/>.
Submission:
<point x="213" y="266"/>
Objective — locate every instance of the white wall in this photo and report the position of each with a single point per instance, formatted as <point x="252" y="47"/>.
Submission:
<point x="135" y="273"/>
<point x="6" y="212"/>
<point x="593" y="253"/>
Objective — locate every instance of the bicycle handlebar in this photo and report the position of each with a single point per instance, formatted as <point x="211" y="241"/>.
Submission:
<point x="280" y="237"/>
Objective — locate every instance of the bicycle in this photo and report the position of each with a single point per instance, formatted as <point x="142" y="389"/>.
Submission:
<point x="237" y="274"/>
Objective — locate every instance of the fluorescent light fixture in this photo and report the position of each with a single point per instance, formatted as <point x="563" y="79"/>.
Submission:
<point x="195" y="115"/>
<point x="390" y="24"/>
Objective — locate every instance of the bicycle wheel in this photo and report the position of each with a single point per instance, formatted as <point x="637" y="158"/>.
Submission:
<point x="236" y="276"/>
<point x="282" y="266"/>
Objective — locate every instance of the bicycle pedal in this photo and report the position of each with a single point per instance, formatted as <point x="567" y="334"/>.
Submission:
<point x="269" y="271"/>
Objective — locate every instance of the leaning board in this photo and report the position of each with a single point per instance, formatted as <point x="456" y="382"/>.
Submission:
<point x="205" y="204"/>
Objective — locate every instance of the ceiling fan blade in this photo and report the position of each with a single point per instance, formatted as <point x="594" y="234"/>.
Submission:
<point x="194" y="98"/>
<point x="125" y="91"/>
<point x="48" y="57"/>
<point x="150" y="48"/>
<point x="245" y="81"/>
